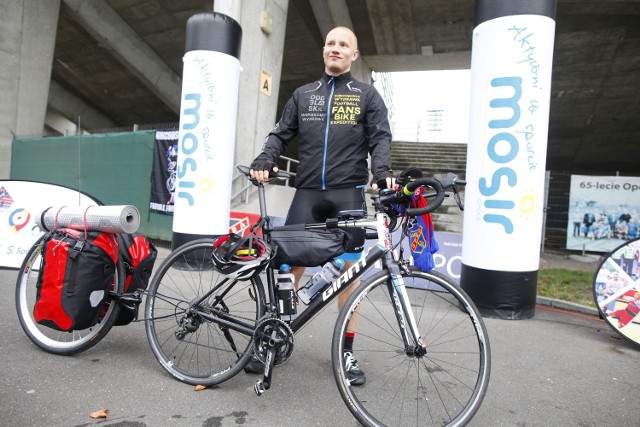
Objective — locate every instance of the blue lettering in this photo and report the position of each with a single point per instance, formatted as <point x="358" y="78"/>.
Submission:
<point x="191" y="148"/>
<point x="188" y="163"/>
<point x="194" y="111"/>
<point x="500" y="219"/>
<point x="513" y="147"/>
<point x="512" y="103"/>
<point x="509" y="173"/>
<point x="188" y="146"/>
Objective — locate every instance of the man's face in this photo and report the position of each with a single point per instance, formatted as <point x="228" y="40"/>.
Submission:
<point x="340" y="50"/>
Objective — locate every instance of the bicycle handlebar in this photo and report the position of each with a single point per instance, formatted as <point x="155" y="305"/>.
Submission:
<point x="280" y="174"/>
<point x="440" y="185"/>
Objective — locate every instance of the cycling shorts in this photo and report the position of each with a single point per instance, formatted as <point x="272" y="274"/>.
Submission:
<point x="313" y="206"/>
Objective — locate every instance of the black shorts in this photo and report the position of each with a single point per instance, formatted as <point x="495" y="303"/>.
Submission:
<point x="313" y="206"/>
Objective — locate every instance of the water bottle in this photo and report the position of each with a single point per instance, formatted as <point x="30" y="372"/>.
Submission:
<point x="330" y="271"/>
<point x="286" y="293"/>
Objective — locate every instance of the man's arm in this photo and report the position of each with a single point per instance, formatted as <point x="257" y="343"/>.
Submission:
<point x="276" y="142"/>
<point x="378" y="133"/>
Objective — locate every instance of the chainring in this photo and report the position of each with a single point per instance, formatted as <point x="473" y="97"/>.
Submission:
<point x="283" y="338"/>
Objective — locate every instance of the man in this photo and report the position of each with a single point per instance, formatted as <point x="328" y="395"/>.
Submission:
<point x="338" y="121"/>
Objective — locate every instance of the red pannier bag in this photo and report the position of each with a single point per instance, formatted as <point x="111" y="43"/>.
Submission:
<point x="138" y="256"/>
<point x="75" y="278"/>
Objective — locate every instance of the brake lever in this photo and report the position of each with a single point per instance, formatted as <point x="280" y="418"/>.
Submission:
<point x="456" y="197"/>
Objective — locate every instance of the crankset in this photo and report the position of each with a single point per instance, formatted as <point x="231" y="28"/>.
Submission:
<point x="282" y="341"/>
<point x="273" y="344"/>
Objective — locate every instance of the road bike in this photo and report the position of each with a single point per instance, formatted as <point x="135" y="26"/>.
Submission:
<point x="420" y="338"/>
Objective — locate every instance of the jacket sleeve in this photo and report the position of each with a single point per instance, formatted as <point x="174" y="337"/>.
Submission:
<point x="378" y="135"/>
<point x="285" y="130"/>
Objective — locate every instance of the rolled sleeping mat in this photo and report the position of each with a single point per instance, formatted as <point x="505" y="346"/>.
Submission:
<point x="108" y="219"/>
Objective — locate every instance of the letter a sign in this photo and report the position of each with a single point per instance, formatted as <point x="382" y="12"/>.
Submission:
<point x="265" y="83"/>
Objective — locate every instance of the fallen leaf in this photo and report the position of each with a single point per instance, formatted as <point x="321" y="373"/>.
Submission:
<point x="200" y="387"/>
<point x="103" y="413"/>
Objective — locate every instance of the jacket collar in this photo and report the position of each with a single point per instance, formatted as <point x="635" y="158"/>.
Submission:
<point x="344" y="77"/>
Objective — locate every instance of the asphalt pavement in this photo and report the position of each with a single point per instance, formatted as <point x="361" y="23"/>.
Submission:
<point x="564" y="367"/>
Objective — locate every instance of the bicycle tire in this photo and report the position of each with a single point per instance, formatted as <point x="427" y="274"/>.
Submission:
<point x="48" y="339"/>
<point x="205" y="355"/>
<point x="444" y="387"/>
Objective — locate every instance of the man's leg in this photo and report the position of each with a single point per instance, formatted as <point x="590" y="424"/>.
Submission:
<point x="354" y="373"/>
<point x="297" y="274"/>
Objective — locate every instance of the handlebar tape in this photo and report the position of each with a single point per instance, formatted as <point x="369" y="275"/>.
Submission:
<point x="434" y="204"/>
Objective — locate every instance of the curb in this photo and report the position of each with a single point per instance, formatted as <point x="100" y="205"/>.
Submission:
<point x="569" y="306"/>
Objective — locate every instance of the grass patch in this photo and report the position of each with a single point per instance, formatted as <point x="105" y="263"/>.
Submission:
<point x="568" y="285"/>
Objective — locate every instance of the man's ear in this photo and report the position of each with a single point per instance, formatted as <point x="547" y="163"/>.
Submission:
<point x="356" y="55"/>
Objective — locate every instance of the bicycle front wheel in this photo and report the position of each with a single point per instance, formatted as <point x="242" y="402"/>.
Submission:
<point x="51" y="340"/>
<point x="186" y="297"/>
<point x="445" y="386"/>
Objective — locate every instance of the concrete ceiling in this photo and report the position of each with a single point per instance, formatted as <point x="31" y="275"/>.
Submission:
<point x="595" y="107"/>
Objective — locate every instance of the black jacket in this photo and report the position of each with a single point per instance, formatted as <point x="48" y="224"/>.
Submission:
<point x="334" y="156"/>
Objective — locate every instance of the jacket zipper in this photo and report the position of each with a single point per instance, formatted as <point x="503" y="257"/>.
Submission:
<point x="326" y="132"/>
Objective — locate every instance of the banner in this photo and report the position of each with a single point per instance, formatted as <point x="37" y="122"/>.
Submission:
<point x="604" y="212"/>
<point x="20" y="201"/>
<point x="163" y="178"/>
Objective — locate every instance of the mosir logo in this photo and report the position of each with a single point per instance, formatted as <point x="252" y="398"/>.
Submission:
<point x="502" y="149"/>
<point x="188" y="146"/>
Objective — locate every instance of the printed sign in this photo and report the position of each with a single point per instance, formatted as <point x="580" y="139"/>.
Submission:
<point x="508" y="126"/>
<point x="604" y="212"/>
<point x="20" y="201"/>
<point x="206" y="143"/>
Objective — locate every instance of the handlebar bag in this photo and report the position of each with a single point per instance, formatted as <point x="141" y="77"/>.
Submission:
<point x="75" y="277"/>
<point x="307" y="248"/>
<point x="138" y="256"/>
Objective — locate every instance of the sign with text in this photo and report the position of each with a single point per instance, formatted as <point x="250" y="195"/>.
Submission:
<point x="603" y="212"/>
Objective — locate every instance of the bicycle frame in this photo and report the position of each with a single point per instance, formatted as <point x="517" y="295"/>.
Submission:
<point x="381" y="251"/>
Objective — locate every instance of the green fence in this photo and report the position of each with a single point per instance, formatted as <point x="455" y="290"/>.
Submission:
<point x="112" y="168"/>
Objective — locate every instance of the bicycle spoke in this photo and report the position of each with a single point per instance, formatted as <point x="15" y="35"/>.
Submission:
<point x="404" y="386"/>
<point x="186" y="298"/>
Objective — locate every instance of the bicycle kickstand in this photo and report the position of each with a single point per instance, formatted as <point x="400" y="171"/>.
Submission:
<point x="262" y="385"/>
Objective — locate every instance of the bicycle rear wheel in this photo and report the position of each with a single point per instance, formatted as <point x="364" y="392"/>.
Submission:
<point x="189" y="346"/>
<point x="444" y="387"/>
<point x="51" y="340"/>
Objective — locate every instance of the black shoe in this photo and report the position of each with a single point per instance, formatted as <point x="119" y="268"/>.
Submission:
<point x="254" y="366"/>
<point x="354" y="373"/>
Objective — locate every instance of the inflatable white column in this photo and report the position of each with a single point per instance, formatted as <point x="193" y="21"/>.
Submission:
<point x="208" y="114"/>
<point x="511" y="63"/>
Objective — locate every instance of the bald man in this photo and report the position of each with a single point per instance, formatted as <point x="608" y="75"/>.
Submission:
<point x="339" y="122"/>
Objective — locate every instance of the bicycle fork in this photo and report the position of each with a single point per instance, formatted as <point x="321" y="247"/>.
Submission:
<point x="404" y="314"/>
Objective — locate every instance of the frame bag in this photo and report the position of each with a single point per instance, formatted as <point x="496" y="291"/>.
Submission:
<point x="138" y="256"/>
<point x="75" y="277"/>
<point x="307" y="248"/>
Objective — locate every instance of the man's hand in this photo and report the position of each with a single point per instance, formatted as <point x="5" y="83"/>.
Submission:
<point x="260" y="170"/>
<point x="390" y="183"/>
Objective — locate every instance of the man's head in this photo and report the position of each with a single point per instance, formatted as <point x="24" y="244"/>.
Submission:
<point x="340" y="50"/>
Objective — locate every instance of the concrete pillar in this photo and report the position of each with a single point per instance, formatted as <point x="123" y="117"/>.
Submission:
<point x="263" y="30"/>
<point x="27" y="41"/>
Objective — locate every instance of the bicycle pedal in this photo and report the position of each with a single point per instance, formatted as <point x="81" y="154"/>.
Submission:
<point x="258" y="387"/>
